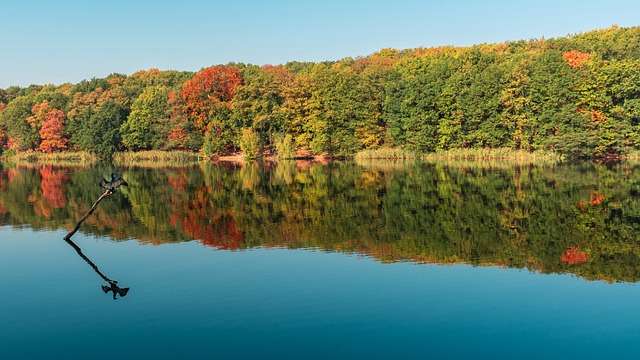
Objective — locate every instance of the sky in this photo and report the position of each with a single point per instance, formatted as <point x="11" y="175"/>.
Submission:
<point x="67" y="41"/>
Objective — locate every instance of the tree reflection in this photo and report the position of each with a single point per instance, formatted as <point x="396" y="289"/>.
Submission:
<point x="496" y="214"/>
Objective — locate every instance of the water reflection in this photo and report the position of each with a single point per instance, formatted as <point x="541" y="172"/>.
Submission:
<point x="580" y="219"/>
<point x="112" y="284"/>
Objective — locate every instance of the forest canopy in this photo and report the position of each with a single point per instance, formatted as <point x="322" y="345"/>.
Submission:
<point x="577" y="95"/>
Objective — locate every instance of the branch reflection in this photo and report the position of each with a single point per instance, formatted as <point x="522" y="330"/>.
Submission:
<point x="112" y="284"/>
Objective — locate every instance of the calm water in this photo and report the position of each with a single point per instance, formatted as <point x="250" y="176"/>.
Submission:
<point x="306" y="260"/>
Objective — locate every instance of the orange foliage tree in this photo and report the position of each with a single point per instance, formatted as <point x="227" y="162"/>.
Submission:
<point x="39" y="113"/>
<point x="51" y="132"/>
<point x="575" y="59"/>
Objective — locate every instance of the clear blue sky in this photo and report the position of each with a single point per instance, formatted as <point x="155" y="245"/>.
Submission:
<point x="58" y="41"/>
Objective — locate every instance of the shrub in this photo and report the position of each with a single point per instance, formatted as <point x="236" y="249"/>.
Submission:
<point x="251" y="144"/>
<point x="286" y="147"/>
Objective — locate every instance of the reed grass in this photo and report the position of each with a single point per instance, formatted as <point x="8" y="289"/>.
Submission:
<point x="162" y="158"/>
<point x="385" y="154"/>
<point x="155" y="156"/>
<point x="461" y="154"/>
<point x="633" y="155"/>
<point x="70" y="158"/>
<point x="75" y="158"/>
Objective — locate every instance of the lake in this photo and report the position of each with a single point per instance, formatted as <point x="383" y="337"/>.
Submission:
<point x="321" y="260"/>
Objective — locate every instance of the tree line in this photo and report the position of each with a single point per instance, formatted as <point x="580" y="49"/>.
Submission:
<point x="578" y="95"/>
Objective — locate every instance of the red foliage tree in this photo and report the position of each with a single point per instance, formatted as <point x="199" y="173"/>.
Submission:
<point x="209" y="89"/>
<point x="574" y="256"/>
<point x="51" y="132"/>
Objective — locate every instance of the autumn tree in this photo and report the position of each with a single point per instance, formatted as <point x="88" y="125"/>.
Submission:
<point x="39" y="115"/>
<point x="203" y="106"/>
<point x="11" y="93"/>
<point x="413" y="105"/>
<point x="4" y="98"/>
<point x="88" y="98"/>
<point x="376" y="71"/>
<point x="182" y="134"/>
<point x="52" y="132"/>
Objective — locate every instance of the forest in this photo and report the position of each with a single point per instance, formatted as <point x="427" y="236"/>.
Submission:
<point x="577" y="95"/>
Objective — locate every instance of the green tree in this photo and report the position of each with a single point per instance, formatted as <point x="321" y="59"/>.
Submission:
<point x="415" y="105"/>
<point x="21" y="135"/>
<point x="100" y="133"/>
<point x="146" y="126"/>
<point x="251" y="144"/>
<point x="554" y="99"/>
<point x="258" y="101"/>
<point x="517" y="110"/>
<point x="342" y="116"/>
<point x="83" y="105"/>
<point x="285" y="147"/>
